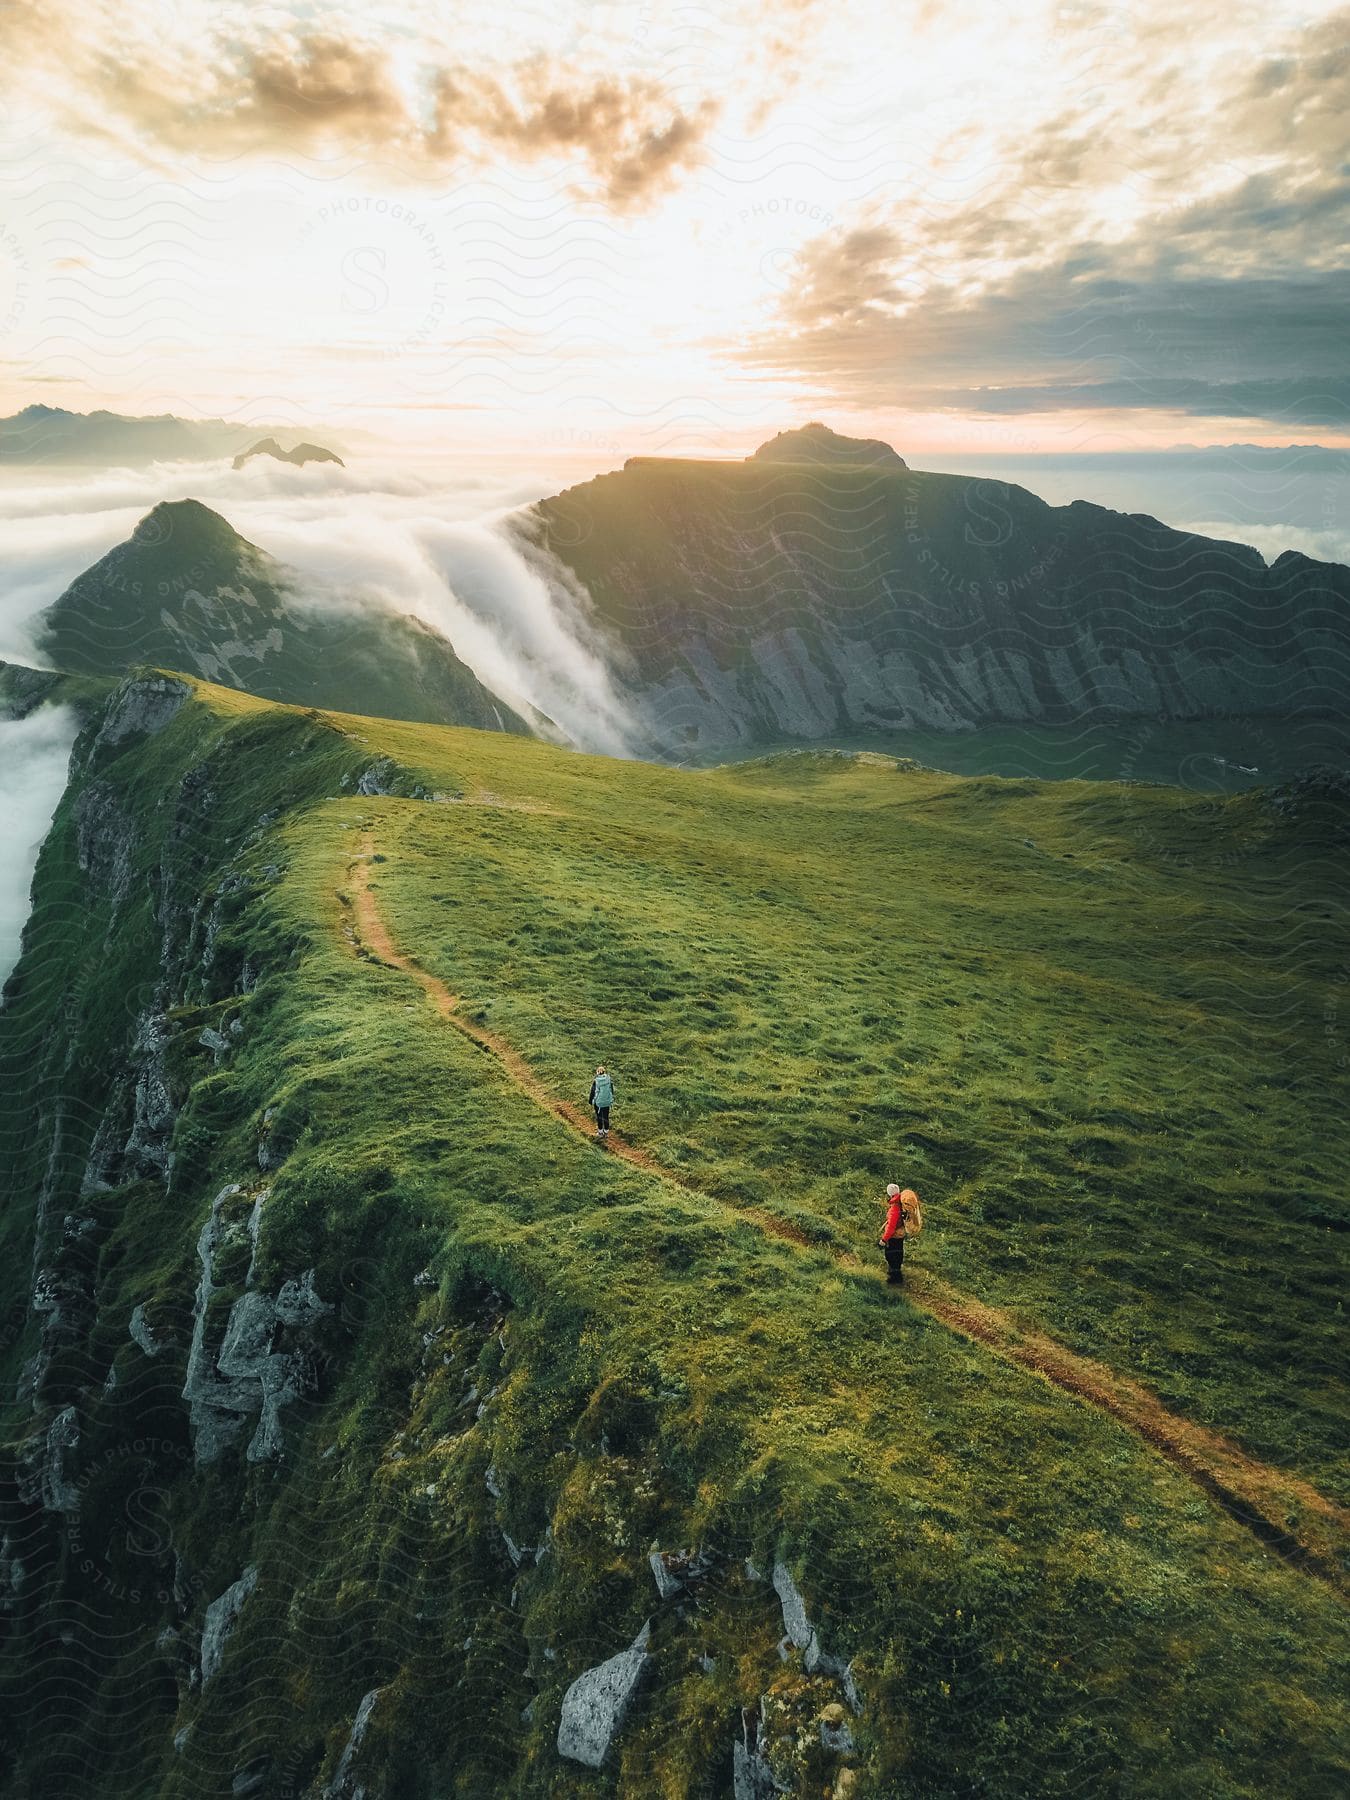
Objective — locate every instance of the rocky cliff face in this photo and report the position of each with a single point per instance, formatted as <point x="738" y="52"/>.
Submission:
<point x="187" y="592"/>
<point x="112" y="1021"/>
<point x="812" y="591"/>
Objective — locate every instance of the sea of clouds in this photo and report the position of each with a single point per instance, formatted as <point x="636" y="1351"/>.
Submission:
<point x="34" y="756"/>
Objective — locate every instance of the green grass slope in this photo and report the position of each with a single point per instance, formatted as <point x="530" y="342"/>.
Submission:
<point x="1092" y="1020"/>
<point x="1089" y="1024"/>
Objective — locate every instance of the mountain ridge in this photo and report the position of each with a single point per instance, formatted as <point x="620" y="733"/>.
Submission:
<point x="54" y="434"/>
<point x="186" y="591"/>
<point x="299" y="454"/>
<point x="771" y="600"/>
<point x="776" y="599"/>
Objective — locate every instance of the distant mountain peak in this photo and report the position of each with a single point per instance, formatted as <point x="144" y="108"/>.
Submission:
<point x="816" y="443"/>
<point x="302" y="453"/>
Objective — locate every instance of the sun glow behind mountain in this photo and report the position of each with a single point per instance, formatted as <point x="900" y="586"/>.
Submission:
<point x="973" y="229"/>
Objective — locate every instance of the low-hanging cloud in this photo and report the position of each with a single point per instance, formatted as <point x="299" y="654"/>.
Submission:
<point x="444" y="544"/>
<point x="34" y="758"/>
<point x="1329" y="545"/>
<point x="512" y="614"/>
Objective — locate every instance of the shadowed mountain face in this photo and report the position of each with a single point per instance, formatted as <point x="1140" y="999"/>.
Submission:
<point x="187" y="592"/>
<point x="777" y="599"/>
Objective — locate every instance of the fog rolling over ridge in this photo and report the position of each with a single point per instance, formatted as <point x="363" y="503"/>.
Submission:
<point x="820" y="590"/>
<point x="514" y="613"/>
<point x="34" y="757"/>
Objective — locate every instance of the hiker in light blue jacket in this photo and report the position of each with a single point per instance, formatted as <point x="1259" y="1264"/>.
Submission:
<point x="602" y="1098"/>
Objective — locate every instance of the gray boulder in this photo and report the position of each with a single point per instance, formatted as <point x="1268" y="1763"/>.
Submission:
<point x="801" y="1633"/>
<point x="246" y="1376"/>
<point x="253" y="1777"/>
<point x="751" y="1776"/>
<point x="222" y="1615"/>
<point x="598" y="1701"/>
<point x="343" y="1786"/>
<point x="834" y="1730"/>
<point x="797" y="1627"/>
<point x="378" y="778"/>
<point x="667" y="1585"/>
<point x="141" y="1334"/>
<point x="144" y="704"/>
<point x="673" y="1570"/>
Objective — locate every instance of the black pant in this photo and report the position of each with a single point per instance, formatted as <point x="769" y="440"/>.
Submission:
<point x="602" y="1117"/>
<point x="895" y="1256"/>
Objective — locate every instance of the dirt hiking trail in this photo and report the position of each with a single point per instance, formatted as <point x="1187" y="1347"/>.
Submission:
<point x="1285" y="1513"/>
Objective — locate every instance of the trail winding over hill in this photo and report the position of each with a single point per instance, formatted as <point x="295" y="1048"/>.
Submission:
<point x="1285" y="1513"/>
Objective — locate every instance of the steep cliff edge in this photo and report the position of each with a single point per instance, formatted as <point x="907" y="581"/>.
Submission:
<point x="362" y="1434"/>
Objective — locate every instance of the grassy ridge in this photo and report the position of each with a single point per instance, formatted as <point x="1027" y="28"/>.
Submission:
<point x="1034" y="1602"/>
<point x="1088" y="1022"/>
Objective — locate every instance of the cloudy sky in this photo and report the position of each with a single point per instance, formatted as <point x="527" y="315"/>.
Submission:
<point x="966" y="227"/>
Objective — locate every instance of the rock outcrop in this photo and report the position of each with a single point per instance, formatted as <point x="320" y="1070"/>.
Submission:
<point x="817" y="446"/>
<point x="299" y="454"/>
<point x="245" y="1375"/>
<point x="145" y="705"/>
<point x="140" y="1333"/>
<point x="801" y="1634"/>
<point x="43" y="1476"/>
<point x="222" y="1615"/>
<point x="751" y="1776"/>
<point x="598" y="1701"/>
<point x="1318" y="799"/>
<point x="344" y="1785"/>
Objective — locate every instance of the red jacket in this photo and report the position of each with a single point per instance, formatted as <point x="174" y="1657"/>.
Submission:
<point x="893" y="1221"/>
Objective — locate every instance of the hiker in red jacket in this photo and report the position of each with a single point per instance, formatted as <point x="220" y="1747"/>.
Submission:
<point x="904" y="1218"/>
